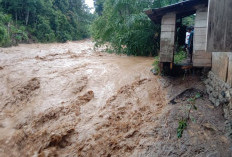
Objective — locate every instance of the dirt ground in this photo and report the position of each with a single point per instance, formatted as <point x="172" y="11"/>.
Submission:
<point x="71" y="100"/>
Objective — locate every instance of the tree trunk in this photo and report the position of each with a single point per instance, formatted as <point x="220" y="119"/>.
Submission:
<point x="16" y="17"/>
<point x="8" y="29"/>
<point x="27" y="16"/>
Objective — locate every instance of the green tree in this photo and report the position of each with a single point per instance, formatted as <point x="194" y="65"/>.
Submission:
<point x="126" y="27"/>
<point x="124" y="24"/>
<point x="98" y="4"/>
<point x="48" y="20"/>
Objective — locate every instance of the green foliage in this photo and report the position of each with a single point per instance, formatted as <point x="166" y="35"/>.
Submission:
<point x="18" y="34"/>
<point x="189" y="21"/>
<point x="3" y="36"/>
<point x="127" y="28"/>
<point x="198" y="95"/>
<point x="123" y="24"/>
<point x="43" y="31"/>
<point x="156" y="65"/>
<point x="180" y="56"/>
<point x="44" y="20"/>
<point x="9" y="33"/>
<point x="98" y="4"/>
<point x="181" y="127"/>
<point x="120" y="22"/>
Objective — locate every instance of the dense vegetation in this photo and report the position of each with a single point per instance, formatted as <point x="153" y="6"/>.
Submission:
<point x="124" y="24"/>
<point x="43" y="21"/>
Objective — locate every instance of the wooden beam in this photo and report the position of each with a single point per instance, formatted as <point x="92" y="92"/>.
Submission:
<point x="202" y="59"/>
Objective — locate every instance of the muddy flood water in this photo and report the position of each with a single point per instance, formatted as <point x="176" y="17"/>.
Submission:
<point x="71" y="100"/>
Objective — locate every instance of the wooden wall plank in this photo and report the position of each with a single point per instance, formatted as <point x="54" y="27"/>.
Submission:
<point x="165" y="58"/>
<point x="220" y="65"/>
<point x="167" y="28"/>
<point x="203" y="55"/>
<point x="229" y="78"/>
<point x="201" y="58"/>
<point x="202" y="63"/>
<point x="201" y="8"/>
<point x="228" y="40"/>
<point x="219" y="36"/>
<point x="200" y="31"/>
<point x="201" y="23"/>
<point x="166" y="50"/>
<point x="168" y="35"/>
<point x="168" y="21"/>
<point x="210" y="34"/>
<point x="200" y="38"/>
<point x="199" y="46"/>
<point x="202" y="15"/>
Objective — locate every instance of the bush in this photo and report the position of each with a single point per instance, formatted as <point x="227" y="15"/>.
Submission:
<point x="18" y="34"/>
<point x="43" y="31"/>
<point x="156" y="69"/>
<point x="180" y="56"/>
<point x="10" y="34"/>
<point x="4" y="37"/>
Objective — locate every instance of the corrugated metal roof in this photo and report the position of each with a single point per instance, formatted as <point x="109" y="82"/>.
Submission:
<point x="182" y="9"/>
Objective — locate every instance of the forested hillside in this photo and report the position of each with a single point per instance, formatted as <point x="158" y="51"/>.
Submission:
<point x="124" y="24"/>
<point x="43" y="21"/>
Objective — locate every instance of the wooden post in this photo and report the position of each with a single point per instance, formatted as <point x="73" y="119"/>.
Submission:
<point x="161" y="66"/>
<point x="167" y="40"/>
<point x="201" y="58"/>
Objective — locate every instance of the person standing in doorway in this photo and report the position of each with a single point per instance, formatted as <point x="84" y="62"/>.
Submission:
<point x="187" y="37"/>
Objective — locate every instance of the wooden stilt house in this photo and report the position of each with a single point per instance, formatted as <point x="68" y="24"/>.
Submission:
<point x="168" y="16"/>
<point x="212" y="43"/>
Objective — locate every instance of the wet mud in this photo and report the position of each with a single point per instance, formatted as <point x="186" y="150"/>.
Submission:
<point x="73" y="100"/>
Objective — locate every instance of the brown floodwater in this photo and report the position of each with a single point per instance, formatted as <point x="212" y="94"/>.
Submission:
<point x="72" y="100"/>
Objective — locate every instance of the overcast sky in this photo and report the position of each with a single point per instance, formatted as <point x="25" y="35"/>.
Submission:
<point x="90" y="3"/>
